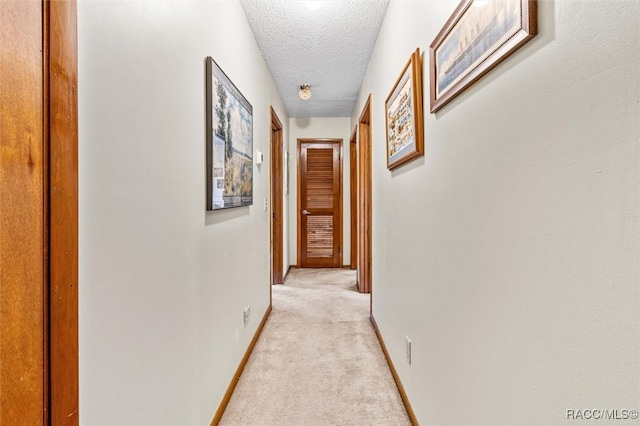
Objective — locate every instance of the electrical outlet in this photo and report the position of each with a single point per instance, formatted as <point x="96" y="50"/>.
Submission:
<point x="247" y="313"/>
<point x="408" y="350"/>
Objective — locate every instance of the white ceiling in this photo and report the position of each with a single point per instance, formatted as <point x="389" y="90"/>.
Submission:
<point x="324" y="43"/>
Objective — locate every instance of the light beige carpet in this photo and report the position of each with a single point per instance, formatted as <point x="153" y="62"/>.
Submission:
<point x="318" y="361"/>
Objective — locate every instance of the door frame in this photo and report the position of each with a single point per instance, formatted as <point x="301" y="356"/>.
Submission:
<point x="299" y="194"/>
<point x="57" y="60"/>
<point x="353" y="198"/>
<point x="277" y="204"/>
<point x="364" y="199"/>
<point x="61" y="67"/>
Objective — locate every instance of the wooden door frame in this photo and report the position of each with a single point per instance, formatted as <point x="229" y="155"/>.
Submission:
<point x="57" y="60"/>
<point x="24" y="271"/>
<point x="277" y="207"/>
<point x="353" y="198"/>
<point x="61" y="67"/>
<point x="364" y="199"/>
<point x="299" y="192"/>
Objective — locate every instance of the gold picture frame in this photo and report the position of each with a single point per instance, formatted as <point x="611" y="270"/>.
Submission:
<point x="403" y="115"/>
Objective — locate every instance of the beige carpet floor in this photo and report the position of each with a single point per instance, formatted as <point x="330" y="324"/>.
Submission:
<point x="317" y="361"/>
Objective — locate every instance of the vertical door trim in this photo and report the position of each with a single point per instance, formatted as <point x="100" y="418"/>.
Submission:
<point x="277" y="208"/>
<point x="353" y="198"/>
<point x="23" y="215"/>
<point x="365" y="202"/>
<point x="299" y="200"/>
<point x="61" y="71"/>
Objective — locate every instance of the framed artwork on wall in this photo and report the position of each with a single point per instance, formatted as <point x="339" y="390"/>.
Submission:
<point x="403" y="115"/>
<point x="229" y="150"/>
<point x="478" y="36"/>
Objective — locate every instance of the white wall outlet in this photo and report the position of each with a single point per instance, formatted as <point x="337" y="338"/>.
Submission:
<point x="408" y="350"/>
<point x="265" y="204"/>
<point x="247" y="314"/>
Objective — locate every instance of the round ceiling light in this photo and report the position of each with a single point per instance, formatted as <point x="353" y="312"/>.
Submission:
<point x="305" y="92"/>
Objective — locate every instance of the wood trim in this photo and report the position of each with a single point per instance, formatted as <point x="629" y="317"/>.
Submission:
<point x="277" y="204"/>
<point x="394" y="373"/>
<point x="23" y="215"/>
<point x="353" y="197"/>
<point x="339" y="259"/>
<point x="275" y="120"/>
<point x="39" y="350"/>
<point x="62" y="121"/>
<point x="364" y="199"/>
<point x="340" y="221"/>
<point x="236" y="376"/>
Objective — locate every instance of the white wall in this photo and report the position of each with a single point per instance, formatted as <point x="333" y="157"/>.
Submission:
<point x="162" y="282"/>
<point x="300" y="128"/>
<point x="509" y="252"/>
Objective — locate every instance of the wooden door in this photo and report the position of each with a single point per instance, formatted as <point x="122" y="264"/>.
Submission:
<point x="38" y="213"/>
<point x="320" y="203"/>
<point x="277" y="219"/>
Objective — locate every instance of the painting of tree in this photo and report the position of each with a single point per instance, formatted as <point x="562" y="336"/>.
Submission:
<point x="229" y="144"/>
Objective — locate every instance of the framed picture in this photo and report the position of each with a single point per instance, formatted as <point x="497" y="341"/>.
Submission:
<point x="403" y="114"/>
<point x="229" y="142"/>
<point x="477" y="37"/>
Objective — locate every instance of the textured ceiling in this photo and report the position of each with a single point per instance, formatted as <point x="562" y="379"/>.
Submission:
<point x="326" y="44"/>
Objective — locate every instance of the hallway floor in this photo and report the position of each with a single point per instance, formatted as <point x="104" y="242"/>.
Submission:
<point x="318" y="361"/>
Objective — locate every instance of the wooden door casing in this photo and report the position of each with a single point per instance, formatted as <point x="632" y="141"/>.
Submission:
<point x="39" y="213"/>
<point x="364" y="199"/>
<point x="320" y="203"/>
<point x="353" y="188"/>
<point x="277" y="208"/>
<point x="63" y="211"/>
<point x="23" y="237"/>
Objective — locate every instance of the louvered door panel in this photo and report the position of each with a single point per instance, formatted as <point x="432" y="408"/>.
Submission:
<point x="320" y="236"/>
<point x="320" y="203"/>
<point x="320" y="191"/>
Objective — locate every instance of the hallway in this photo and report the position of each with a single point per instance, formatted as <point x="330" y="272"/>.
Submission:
<point x="507" y="254"/>
<point x="317" y="361"/>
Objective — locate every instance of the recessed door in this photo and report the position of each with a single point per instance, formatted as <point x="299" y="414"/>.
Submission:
<point x="320" y="203"/>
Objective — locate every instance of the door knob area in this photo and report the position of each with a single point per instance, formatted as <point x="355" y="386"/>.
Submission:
<point x="306" y="212"/>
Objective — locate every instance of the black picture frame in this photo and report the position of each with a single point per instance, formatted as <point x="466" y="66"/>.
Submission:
<point x="229" y="142"/>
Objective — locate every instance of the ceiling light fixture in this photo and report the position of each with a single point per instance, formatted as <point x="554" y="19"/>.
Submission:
<point x="305" y="92"/>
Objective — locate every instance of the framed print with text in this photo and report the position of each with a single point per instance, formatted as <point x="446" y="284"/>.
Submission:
<point x="403" y="115"/>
